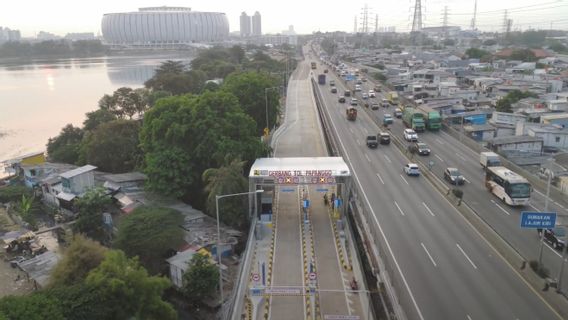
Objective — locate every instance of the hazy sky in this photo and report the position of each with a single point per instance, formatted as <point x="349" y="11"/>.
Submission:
<point x="62" y="16"/>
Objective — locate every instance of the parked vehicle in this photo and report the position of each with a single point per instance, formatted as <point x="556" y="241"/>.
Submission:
<point x="453" y="176"/>
<point x="411" y="169"/>
<point x="489" y="159"/>
<point x="372" y="142"/>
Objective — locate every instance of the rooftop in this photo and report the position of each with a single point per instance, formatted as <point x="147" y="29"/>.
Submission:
<point x="39" y="267"/>
<point x="78" y="171"/>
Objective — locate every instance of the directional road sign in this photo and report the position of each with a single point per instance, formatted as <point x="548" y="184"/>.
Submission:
<point x="538" y="220"/>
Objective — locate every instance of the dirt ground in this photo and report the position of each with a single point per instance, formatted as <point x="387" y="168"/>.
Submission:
<point x="10" y="283"/>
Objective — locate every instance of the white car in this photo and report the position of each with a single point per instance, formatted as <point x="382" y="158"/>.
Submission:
<point x="371" y="93"/>
<point x="410" y="135"/>
<point x="411" y="169"/>
<point x="357" y="87"/>
<point x="365" y="95"/>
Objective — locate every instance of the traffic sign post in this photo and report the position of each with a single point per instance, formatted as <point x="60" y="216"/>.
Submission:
<point x="255" y="277"/>
<point x="538" y="220"/>
<point x="312" y="276"/>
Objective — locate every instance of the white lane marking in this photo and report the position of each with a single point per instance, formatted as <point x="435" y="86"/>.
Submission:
<point x="432" y="213"/>
<point x="468" y="317"/>
<point x="502" y="209"/>
<point x="358" y="142"/>
<point x="387" y="158"/>
<point x="439" y="141"/>
<point x="351" y="129"/>
<point x="437" y="156"/>
<point x="378" y="175"/>
<point x="404" y="179"/>
<point x="367" y="156"/>
<point x="399" y="209"/>
<point x="428" y="253"/>
<point x="542" y="194"/>
<point x="558" y="204"/>
<point x="460" y="156"/>
<point x="466" y="180"/>
<point x="530" y="205"/>
<point x="366" y="131"/>
<point x="473" y="264"/>
<point x="374" y="217"/>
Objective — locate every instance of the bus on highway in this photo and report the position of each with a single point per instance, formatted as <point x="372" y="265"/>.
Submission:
<point x="510" y="187"/>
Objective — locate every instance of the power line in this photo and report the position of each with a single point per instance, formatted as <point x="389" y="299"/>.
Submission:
<point x="512" y="9"/>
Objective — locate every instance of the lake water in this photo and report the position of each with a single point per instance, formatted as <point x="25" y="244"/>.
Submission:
<point x="39" y="97"/>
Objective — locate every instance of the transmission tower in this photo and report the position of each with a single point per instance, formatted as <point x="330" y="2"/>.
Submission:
<point x="474" y="16"/>
<point x="365" y="19"/>
<point x="445" y="21"/>
<point x="505" y="22"/>
<point x="417" y="19"/>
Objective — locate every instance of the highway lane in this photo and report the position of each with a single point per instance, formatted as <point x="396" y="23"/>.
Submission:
<point x="448" y="151"/>
<point x="433" y="250"/>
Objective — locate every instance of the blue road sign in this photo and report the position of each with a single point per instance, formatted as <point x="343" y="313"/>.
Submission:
<point x="287" y="190"/>
<point x="322" y="190"/>
<point x="538" y="220"/>
<point x="306" y="203"/>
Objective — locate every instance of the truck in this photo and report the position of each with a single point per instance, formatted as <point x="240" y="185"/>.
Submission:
<point x="384" y="137"/>
<point x="413" y="119"/>
<point x="351" y="113"/>
<point x="432" y="118"/>
<point x="392" y="96"/>
<point x="314" y="65"/>
<point x="321" y="78"/>
<point x="489" y="159"/>
<point x="372" y="142"/>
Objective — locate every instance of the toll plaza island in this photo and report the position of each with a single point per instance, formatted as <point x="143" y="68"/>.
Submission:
<point x="302" y="266"/>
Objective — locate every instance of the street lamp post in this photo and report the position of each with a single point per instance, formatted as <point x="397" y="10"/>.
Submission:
<point x="217" y="197"/>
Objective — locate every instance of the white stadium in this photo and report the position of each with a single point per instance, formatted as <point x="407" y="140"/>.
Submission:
<point x="164" y="27"/>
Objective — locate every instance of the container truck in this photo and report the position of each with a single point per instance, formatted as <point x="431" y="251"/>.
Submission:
<point x="321" y="79"/>
<point x="432" y="118"/>
<point x="413" y="119"/>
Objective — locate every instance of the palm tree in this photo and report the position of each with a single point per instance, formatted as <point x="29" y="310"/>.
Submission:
<point x="170" y="66"/>
<point x="227" y="179"/>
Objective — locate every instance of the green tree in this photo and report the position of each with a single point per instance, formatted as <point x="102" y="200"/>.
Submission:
<point x="65" y="147"/>
<point x="558" y="47"/>
<point x="251" y="90"/>
<point x="149" y="233"/>
<point x="183" y="136"/>
<point x="135" y="294"/>
<point x="96" y="118"/>
<point x="525" y="55"/>
<point x="490" y="42"/>
<point x="14" y="193"/>
<point x="82" y="256"/>
<point x="90" y="218"/>
<point x="172" y="77"/>
<point x="237" y="54"/>
<point x="125" y="102"/>
<point x="505" y="104"/>
<point x="201" y="278"/>
<point x="475" y="53"/>
<point x="227" y="179"/>
<point x="37" y="306"/>
<point x="113" y="146"/>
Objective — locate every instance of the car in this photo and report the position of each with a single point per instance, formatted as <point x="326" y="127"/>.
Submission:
<point x="454" y="176"/>
<point x="556" y="237"/>
<point x="325" y="71"/>
<point x="410" y="135"/>
<point x="347" y="93"/>
<point x="332" y="83"/>
<point x="411" y="169"/>
<point x="365" y="95"/>
<point x="398" y="113"/>
<point x="377" y="89"/>
<point x="333" y="90"/>
<point x="359" y="81"/>
<point x="354" y="102"/>
<point x="384" y="138"/>
<point x="341" y="99"/>
<point x="357" y="87"/>
<point x="422" y="148"/>
<point x="372" y="142"/>
<point x="372" y="93"/>
<point x="375" y="106"/>
<point x="364" y="79"/>
<point x="387" y="118"/>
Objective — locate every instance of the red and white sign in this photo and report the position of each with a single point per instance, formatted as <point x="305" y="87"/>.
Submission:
<point x="312" y="276"/>
<point x="255" y="277"/>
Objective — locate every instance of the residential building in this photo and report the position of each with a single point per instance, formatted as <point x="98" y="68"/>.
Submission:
<point x="517" y="144"/>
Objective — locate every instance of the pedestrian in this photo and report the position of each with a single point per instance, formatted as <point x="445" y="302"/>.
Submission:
<point x="325" y="199"/>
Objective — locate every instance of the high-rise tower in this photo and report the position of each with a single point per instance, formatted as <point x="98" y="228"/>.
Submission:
<point x="245" y="25"/>
<point x="256" y="24"/>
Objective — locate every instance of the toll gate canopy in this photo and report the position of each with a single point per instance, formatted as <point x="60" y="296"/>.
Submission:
<point x="305" y="170"/>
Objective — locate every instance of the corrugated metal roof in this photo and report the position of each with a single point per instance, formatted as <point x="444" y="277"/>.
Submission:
<point x="78" y="171"/>
<point x="515" y="139"/>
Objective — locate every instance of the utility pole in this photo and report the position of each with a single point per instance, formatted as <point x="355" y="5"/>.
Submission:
<point x="445" y="21"/>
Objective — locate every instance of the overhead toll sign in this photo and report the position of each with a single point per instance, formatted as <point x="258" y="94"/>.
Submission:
<point x="538" y="220"/>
